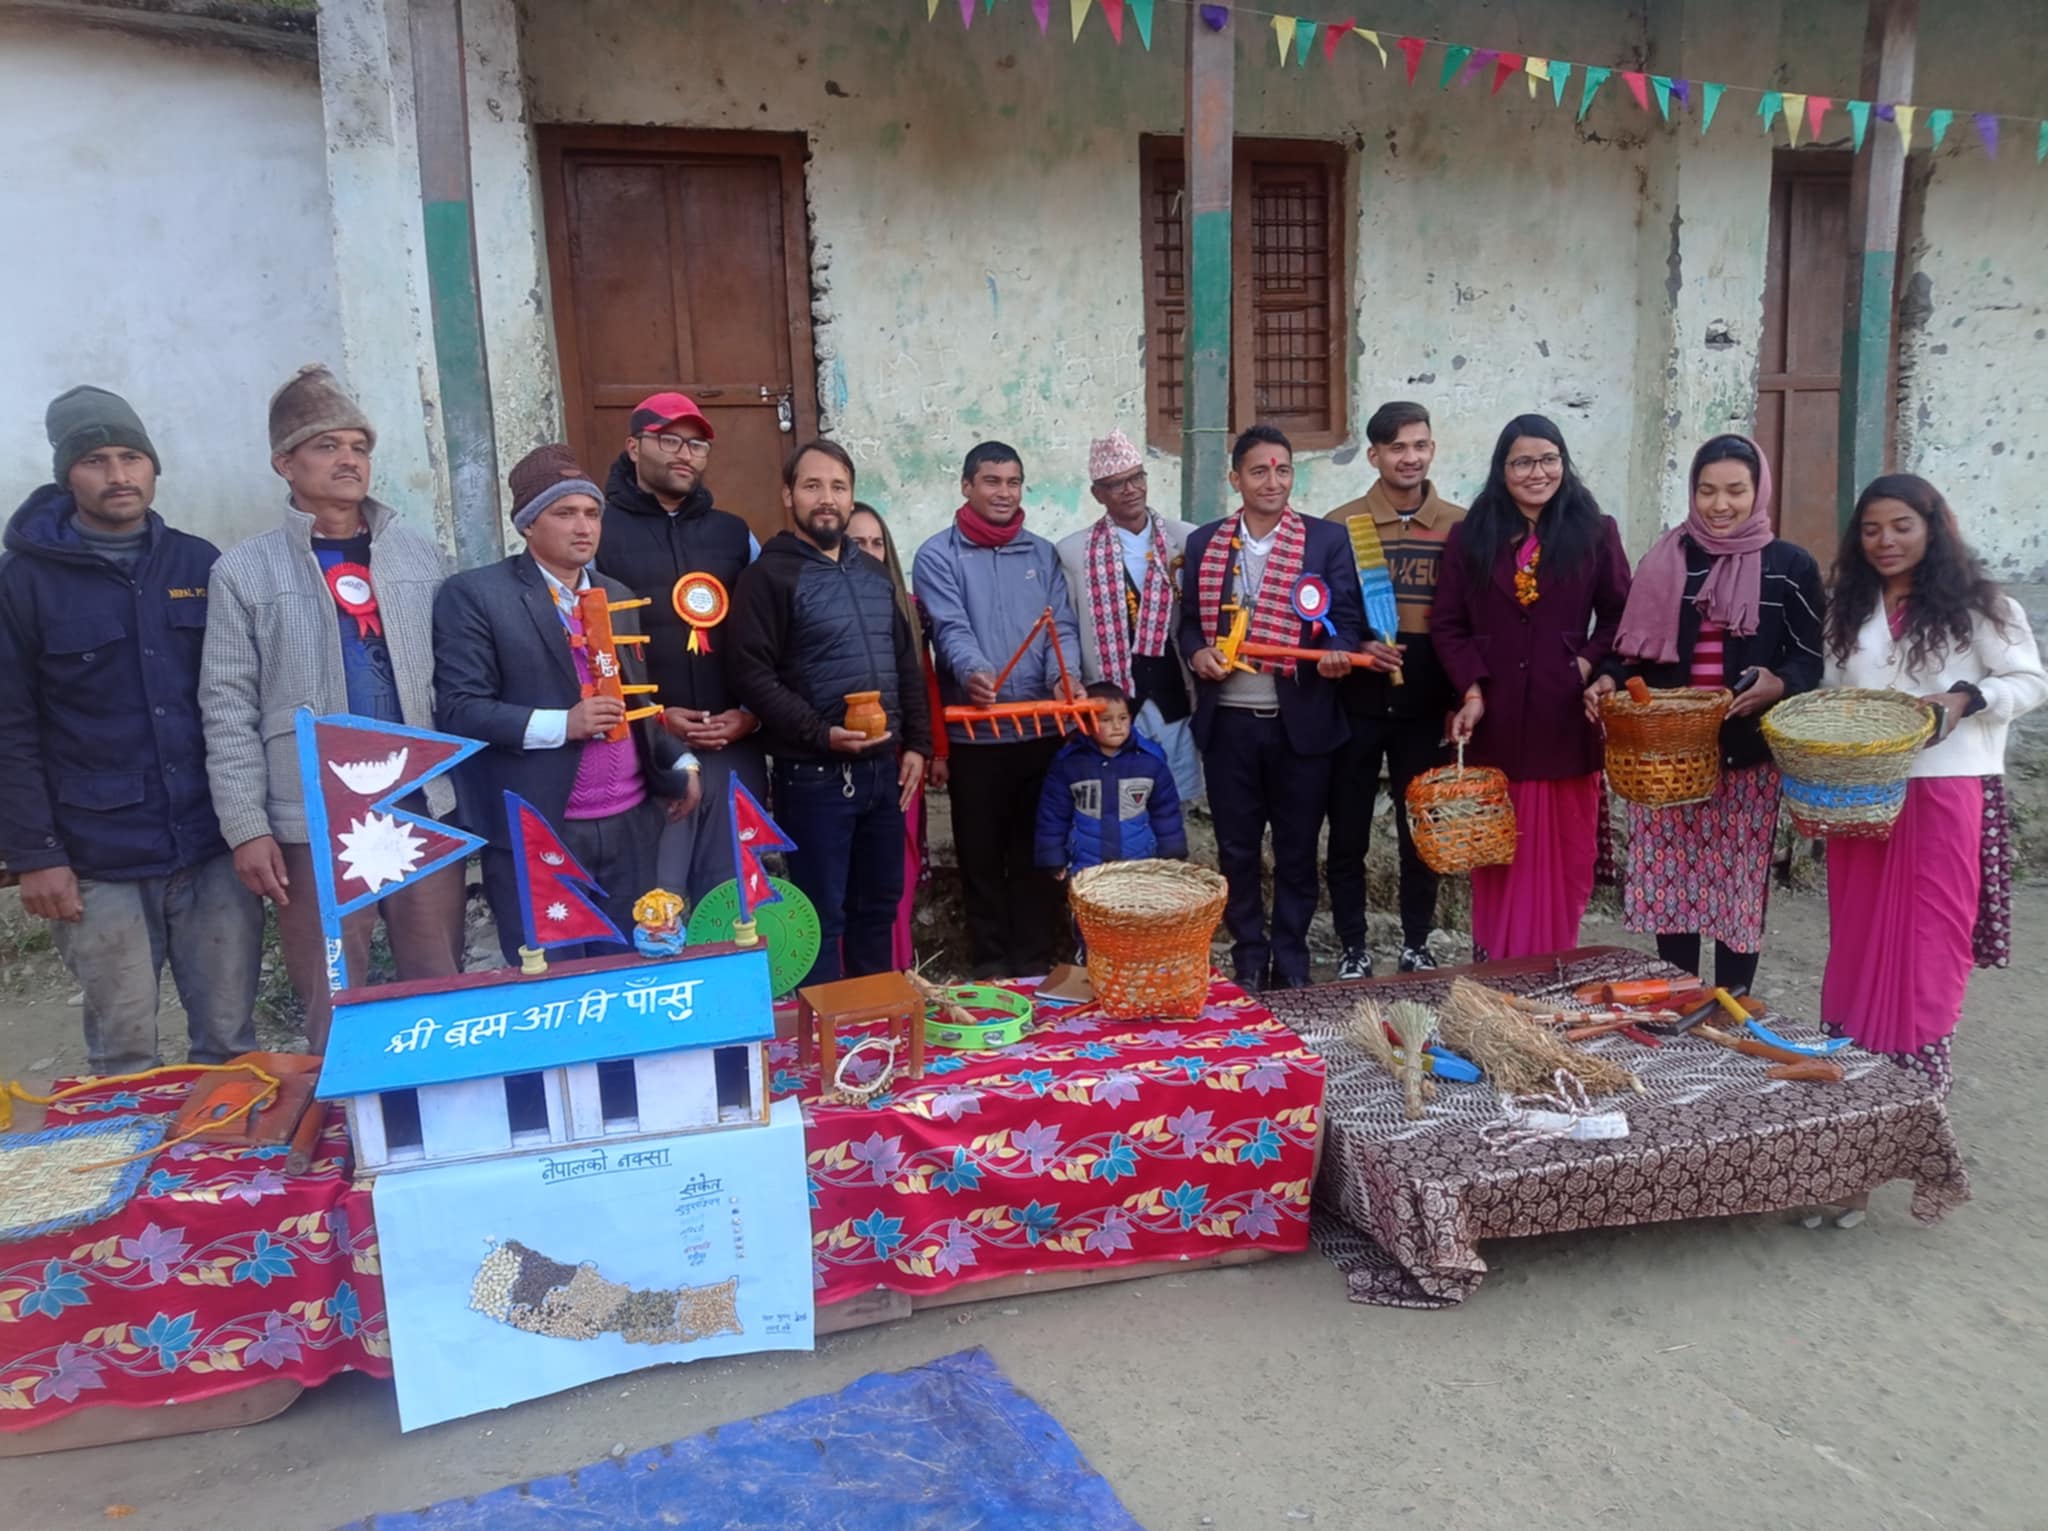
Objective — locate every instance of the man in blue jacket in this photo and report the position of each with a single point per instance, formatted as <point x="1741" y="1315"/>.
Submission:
<point x="984" y="582"/>
<point x="104" y="809"/>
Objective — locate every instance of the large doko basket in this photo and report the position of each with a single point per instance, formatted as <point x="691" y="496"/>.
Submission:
<point x="1666" y="752"/>
<point x="1844" y="754"/>
<point x="1461" y="817"/>
<point x="1147" y="925"/>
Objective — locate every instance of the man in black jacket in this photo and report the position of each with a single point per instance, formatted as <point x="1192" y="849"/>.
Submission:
<point x="815" y="622"/>
<point x="660" y="524"/>
<point x="104" y="808"/>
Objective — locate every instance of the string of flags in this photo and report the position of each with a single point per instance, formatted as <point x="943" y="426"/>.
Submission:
<point x="1295" y="40"/>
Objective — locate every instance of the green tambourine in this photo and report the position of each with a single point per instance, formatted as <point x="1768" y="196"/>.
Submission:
<point x="940" y="1031"/>
<point x="788" y="928"/>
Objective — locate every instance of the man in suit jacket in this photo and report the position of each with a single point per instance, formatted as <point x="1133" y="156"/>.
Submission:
<point x="506" y="673"/>
<point x="1123" y="577"/>
<point x="1268" y="730"/>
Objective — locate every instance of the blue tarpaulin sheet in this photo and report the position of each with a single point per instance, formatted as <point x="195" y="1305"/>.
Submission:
<point x="942" y="1447"/>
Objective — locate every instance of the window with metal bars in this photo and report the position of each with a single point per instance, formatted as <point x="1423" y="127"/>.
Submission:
<point x="1288" y="318"/>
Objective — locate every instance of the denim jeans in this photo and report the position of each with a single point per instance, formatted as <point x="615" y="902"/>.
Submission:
<point x="848" y="829"/>
<point x="211" y="929"/>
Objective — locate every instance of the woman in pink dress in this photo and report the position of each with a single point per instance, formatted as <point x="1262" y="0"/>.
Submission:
<point x="1913" y="610"/>
<point x="1527" y="602"/>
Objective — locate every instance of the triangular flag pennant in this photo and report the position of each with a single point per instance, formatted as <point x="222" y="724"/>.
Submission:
<point x="1902" y="119"/>
<point x="1283" y="36"/>
<point x="1710" y="98"/>
<point x="1476" y="65"/>
<point x="1505" y="65"/>
<point x="2041" y="144"/>
<point x="1077" y="11"/>
<point x="1638" y="85"/>
<point x="1142" y="10"/>
<point x="554" y="909"/>
<point x="1681" y="92"/>
<point x="1987" y="129"/>
<point x="1333" y="34"/>
<point x="1937" y="123"/>
<point x="1377" y="47"/>
<point x="1560" y="75"/>
<point x="1411" y="49"/>
<point x="1215" y="17"/>
<point x="1859" y="121"/>
<point x="1795" y="113"/>
<point x="1595" y="78"/>
<point x="753" y="832"/>
<point x="1768" y="109"/>
<point x="931" y="9"/>
<point x="1304" y="41"/>
<point x="1535" y="69"/>
<point x="1454" y="60"/>
<point x="359" y="774"/>
<point x="1817" y="109"/>
<point x="987" y="6"/>
<point x="1113" y="13"/>
<point x="966" y="14"/>
<point x="1661" y="83"/>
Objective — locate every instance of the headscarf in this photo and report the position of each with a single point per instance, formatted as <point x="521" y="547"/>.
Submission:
<point x="1732" y="595"/>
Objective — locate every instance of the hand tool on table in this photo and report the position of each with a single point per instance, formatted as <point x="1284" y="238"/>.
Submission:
<point x="1815" y="1070"/>
<point x="1821" y="1049"/>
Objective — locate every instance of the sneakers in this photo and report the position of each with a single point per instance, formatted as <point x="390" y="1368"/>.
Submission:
<point x="1356" y="963"/>
<point x="1417" y="960"/>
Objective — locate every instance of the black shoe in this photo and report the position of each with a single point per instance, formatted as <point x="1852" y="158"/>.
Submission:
<point x="1416" y="959"/>
<point x="1251" y="983"/>
<point x="1357" y="963"/>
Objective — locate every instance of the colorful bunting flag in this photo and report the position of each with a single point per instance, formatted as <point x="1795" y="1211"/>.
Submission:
<point x="1661" y="83"/>
<point x="1411" y="49"/>
<point x="2041" y="144"/>
<point x="1113" y="13"/>
<point x="1710" y="98"/>
<point x="1902" y="119"/>
<point x="1595" y="78"/>
<point x="1937" y="123"/>
<point x="1638" y="85"/>
<point x="1142" y="9"/>
<point x="1795" y="113"/>
<point x="1215" y="17"/>
<point x="1987" y="129"/>
<point x="1454" y="61"/>
<point x="1304" y="39"/>
<point x="1859" y="121"/>
<point x="1374" y="38"/>
<point x="1283" y="36"/>
<point x="1768" y="109"/>
<point x="966" y="14"/>
<point x="1681" y="92"/>
<point x="1560" y="74"/>
<point x="1478" y="64"/>
<point x="1536" y="69"/>
<point x="1333" y="34"/>
<point x="1505" y="65"/>
<point x="1817" y="109"/>
<point x="931" y="9"/>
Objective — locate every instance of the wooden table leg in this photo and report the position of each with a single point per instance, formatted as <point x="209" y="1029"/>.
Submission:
<point x="806" y="1019"/>
<point x="828" y="1052"/>
<point x="915" y="1021"/>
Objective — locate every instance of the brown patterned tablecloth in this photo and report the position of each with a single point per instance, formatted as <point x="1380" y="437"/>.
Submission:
<point x="1402" y="1206"/>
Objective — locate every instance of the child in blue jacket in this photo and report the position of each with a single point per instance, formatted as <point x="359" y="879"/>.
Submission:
<point x="1108" y="798"/>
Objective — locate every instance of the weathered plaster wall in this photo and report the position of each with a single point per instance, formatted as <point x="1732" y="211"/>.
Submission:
<point x="166" y="221"/>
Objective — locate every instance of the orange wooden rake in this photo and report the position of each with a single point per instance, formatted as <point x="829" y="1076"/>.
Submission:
<point x="1079" y="711"/>
<point x="601" y="647"/>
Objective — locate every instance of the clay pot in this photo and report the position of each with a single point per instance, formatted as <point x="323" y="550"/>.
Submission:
<point x="864" y="714"/>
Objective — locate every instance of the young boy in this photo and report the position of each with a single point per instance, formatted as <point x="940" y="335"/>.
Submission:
<point x="1108" y="798"/>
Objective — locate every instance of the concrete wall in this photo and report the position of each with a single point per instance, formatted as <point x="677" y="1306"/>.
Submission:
<point x="167" y="237"/>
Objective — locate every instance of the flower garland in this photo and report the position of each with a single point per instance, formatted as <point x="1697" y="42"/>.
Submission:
<point x="1525" y="571"/>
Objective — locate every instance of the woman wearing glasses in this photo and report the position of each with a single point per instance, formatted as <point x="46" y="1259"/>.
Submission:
<point x="1527" y="602"/>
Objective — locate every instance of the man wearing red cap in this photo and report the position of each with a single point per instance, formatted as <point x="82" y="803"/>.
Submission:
<point x="659" y="525"/>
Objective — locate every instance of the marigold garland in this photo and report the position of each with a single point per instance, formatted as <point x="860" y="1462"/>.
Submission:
<point x="1525" y="575"/>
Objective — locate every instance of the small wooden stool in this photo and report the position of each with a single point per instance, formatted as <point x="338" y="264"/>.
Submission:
<point x="825" y="1007"/>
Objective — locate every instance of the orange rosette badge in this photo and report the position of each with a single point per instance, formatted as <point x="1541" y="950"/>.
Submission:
<point x="701" y="601"/>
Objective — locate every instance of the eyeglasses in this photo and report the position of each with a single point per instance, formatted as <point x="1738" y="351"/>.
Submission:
<point x="672" y="443"/>
<point x="1123" y="485"/>
<point x="1549" y="462"/>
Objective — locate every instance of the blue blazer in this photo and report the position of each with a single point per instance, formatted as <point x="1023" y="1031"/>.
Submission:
<point x="1311" y="709"/>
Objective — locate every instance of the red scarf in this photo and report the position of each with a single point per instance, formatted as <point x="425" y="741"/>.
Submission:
<point x="1273" y="616"/>
<point x="1108" y="581"/>
<point x="984" y="533"/>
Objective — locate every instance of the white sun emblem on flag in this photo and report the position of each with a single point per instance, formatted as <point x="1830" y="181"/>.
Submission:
<point x="378" y="849"/>
<point x="557" y="912"/>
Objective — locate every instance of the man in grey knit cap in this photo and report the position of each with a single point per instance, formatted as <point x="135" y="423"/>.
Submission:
<point x="104" y="812"/>
<point x="331" y="610"/>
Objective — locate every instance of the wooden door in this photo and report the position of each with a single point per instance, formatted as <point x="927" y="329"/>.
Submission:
<point x="678" y="262"/>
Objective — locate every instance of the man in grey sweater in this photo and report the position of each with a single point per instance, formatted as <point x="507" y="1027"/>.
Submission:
<point x="332" y="610"/>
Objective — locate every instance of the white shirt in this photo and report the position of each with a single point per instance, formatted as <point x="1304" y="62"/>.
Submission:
<point x="1137" y="551"/>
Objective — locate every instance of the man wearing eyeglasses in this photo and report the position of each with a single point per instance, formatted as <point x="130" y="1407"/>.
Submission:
<point x="660" y="524"/>
<point x="1123" y="579"/>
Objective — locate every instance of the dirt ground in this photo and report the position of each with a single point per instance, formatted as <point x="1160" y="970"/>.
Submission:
<point x="1740" y="1373"/>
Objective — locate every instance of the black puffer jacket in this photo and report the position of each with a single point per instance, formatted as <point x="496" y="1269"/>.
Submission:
<point x="807" y="629"/>
<point x="647" y="550"/>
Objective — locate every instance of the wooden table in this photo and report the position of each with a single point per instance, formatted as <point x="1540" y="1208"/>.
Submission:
<point x="825" y="1007"/>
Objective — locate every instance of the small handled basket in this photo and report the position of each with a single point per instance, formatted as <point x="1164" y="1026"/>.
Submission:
<point x="1462" y="817"/>
<point x="1666" y="752"/>
<point x="1845" y="755"/>
<point x="1147" y="925"/>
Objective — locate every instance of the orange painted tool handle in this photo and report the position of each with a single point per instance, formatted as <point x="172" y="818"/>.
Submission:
<point x="1296" y="651"/>
<point x="1808" y="1071"/>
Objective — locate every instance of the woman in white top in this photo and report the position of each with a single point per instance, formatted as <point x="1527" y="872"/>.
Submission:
<point x="1912" y="610"/>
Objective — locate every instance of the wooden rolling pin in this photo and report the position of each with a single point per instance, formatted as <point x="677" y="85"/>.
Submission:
<point x="1828" y="1073"/>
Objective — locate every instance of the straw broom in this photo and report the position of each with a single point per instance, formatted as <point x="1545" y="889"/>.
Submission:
<point x="1369" y="1030"/>
<point x="1520" y="1056"/>
<point x="1412" y="1024"/>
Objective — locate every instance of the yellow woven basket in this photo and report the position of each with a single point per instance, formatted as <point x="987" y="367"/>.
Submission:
<point x="1147" y="925"/>
<point x="1845" y="754"/>
<point x="1462" y="817"/>
<point x="1666" y="752"/>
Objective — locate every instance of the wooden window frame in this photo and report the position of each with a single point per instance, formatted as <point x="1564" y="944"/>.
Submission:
<point x="1155" y="151"/>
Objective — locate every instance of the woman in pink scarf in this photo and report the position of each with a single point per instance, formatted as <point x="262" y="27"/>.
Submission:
<point x="1719" y="601"/>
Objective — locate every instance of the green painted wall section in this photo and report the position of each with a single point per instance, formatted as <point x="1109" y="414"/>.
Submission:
<point x="1866" y="381"/>
<point x="1206" y="448"/>
<point x="465" y="383"/>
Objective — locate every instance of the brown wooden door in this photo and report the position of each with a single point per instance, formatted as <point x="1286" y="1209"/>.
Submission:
<point x="678" y="262"/>
<point x="1799" y="381"/>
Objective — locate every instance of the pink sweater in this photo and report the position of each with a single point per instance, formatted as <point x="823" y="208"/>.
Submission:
<point x="608" y="777"/>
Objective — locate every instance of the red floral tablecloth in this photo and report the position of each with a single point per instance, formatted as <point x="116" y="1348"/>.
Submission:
<point x="222" y="1271"/>
<point x="1091" y="1143"/>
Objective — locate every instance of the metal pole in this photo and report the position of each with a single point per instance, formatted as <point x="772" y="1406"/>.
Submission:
<point x="1876" y="188"/>
<point x="440" y="96"/>
<point x="1208" y="137"/>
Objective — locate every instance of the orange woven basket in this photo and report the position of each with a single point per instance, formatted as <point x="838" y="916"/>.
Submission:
<point x="1147" y="925"/>
<point x="1666" y="752"/>
<point x="1462" y="817"/>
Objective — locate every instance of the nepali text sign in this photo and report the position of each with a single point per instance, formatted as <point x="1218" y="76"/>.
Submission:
<point x="524" y="1024"/>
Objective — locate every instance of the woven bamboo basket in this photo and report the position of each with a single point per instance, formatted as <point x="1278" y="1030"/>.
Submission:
<point x="1666" y="752"/>
<point x="1147" y="925"/>
<point x="1462" y="817"/>
<point x="1844" y="754"/>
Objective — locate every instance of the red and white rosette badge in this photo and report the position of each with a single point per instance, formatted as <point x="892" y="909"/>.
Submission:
<point x="1312" y="603"/>
<point x="349" y="584"/>
<point x="701" y="601"/>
